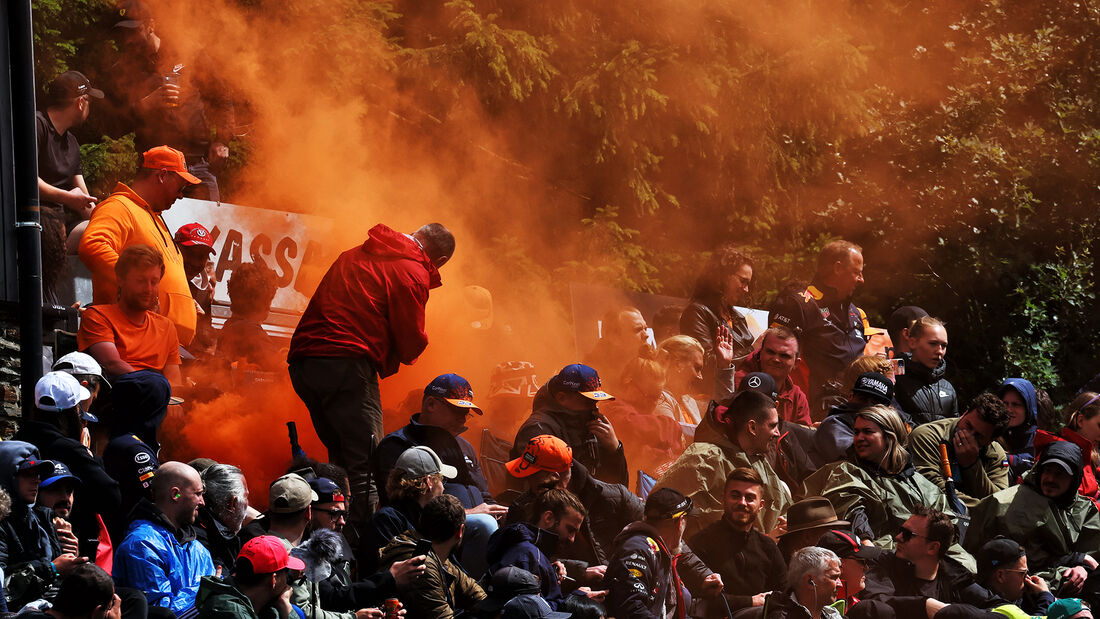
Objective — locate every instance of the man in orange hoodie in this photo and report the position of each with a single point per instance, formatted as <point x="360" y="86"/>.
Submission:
<point x="130" y="216"/>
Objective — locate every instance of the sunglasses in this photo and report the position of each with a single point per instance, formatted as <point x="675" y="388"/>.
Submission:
<point x="335" y="514"/>
<point x="907" y="534"/>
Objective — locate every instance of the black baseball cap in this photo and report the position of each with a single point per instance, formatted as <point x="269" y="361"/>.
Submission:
<point x="326" y="489"/>
<point x="70" y="85"/>
<point x="846" y="546"/>
<point x="997" y="553"/>
<point x="875" y="386"/>
<point x="902" y="318"/>
<point x="759" y="381"/>
<point x="507" y="583"/>
<point x="666" y="504"/>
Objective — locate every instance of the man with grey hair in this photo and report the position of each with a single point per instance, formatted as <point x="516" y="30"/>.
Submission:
<point x="813" y="579"/>
<point x="220" y="520"/>
<point x="365" y="320"/>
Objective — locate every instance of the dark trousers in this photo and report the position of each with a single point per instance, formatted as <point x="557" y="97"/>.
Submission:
<point x="346" y="408"/>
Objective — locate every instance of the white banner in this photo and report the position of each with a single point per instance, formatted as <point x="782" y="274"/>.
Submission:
<point x="291" y="244"/>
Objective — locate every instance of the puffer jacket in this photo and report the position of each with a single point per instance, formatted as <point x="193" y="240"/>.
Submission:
<point x="370" y="304"/>
<point x="572" y="427"/>
<point x="1019" y="442"/>
<point x="164" y="562"/>
<point x="530" y="548"/>
<point x="28" y="542"/>
<point x="1055" y="533"/>
<point x="924" y="393"/>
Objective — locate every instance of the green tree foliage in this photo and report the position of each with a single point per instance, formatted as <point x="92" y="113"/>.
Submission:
<point x="958" y="143"/>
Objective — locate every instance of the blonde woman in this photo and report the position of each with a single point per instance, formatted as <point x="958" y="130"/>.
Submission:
<point x="682" y="358"/>
<point x="877" y="487"/>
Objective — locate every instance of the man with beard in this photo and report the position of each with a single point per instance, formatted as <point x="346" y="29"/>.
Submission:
<point x="160" y="554"/>
<point x="220" y="519"/>
<point x="739" y="435"/>
<point x="56" y="493"/>
<point x="132" y="216"/>
<point x="556" y="516"/>
<point x="259" y="585"/>
<point x="642" y="575"/>
<point x="749" y="562"/>
<point x="1058" y="528"/>
<point x="136" y="347"/>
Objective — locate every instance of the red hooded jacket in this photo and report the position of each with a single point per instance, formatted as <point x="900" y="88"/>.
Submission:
<point x="370" y="304"/>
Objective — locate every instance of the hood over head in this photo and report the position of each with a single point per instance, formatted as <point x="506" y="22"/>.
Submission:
<point x="1026" y="390"/>
<point x="385" y="242"/>
<point x="1067" y="454"/>
<point x="13" y="454"/>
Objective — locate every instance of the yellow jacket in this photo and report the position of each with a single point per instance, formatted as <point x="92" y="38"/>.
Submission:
<point x="125" y="219"/>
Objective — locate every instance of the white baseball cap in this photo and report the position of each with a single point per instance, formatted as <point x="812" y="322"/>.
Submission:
<point x="80" y="363"/>
<point x="62" y="390"/>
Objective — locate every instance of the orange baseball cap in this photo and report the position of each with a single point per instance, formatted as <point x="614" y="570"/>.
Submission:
<point x="168" y="158"/>
<point x="544" y="452"/>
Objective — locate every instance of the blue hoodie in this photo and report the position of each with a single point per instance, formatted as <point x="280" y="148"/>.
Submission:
<point x="1020" y="441"/>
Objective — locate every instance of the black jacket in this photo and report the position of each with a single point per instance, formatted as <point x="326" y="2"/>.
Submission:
<point x="98" y="492"/>
<point x="470" y="486"/>
<point x="386" y="524"/>
<point x="700" y="319"/>
<point x="640" y="577"/>
<point x="924" y="393"/>
<point x="224" y="545"/>
<point x="610" y="507"/>
<point x="572" y="427"/>
<point x="830" y="335"/>
<point x="891" y="579"/>
<point x="749" y="563"/>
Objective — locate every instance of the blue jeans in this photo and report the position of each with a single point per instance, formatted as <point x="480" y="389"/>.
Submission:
<point x="475" y="543"/>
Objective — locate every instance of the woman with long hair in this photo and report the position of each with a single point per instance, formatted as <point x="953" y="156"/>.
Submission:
<point x="877" y="487"/>
<point x="715" y="323"/>
<point x="682" y="358"/>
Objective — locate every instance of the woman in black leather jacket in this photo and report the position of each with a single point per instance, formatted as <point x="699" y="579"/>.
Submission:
<point x="712" y="319"/>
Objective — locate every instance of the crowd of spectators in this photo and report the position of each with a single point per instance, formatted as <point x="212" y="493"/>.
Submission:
<point x="705" y="466"/>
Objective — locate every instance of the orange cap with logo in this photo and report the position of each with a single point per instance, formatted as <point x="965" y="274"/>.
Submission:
<point x="168" y="158"/>
<point x="544" y="452"/>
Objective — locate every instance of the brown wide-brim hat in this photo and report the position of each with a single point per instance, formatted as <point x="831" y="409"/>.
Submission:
<point x="813" y="512"/>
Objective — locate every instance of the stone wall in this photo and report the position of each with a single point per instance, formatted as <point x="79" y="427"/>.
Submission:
<point x="9" y="370"/>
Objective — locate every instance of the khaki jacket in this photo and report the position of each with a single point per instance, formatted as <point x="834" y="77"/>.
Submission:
<point x="988" y="475"/>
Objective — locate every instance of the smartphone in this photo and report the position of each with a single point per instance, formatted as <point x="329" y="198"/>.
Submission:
<point x="423" y="547"/>
<point x="899" y="366"/>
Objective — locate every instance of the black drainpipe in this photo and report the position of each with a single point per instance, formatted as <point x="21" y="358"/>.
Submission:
<point x="28" y="225"/>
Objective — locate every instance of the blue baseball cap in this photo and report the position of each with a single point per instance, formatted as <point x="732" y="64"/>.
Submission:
<point x="60" y="471"/>
<point x="326" y="489"/>
<point x="455" y="390"/>
<point x="582" y="379"/>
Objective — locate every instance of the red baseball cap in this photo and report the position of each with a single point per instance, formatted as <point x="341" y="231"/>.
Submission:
<point x="195" y="234"/>
<point x="168" y="158"/>
<point x="268" y="555"/>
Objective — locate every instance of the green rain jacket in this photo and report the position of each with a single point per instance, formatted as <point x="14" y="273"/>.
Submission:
<point x="218" y="599"/>
<point x="1055" y="533"/>
<point x="875" y="502"/>
<point x="700" y="474"/>
<point x="972" y="484"/>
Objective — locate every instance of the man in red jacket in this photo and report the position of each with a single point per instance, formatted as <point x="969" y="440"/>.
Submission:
<point x="364" y="321"/>
<point x="777" y="357"/>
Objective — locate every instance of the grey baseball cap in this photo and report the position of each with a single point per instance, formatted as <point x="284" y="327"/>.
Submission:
<point x="419" y="461"/>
